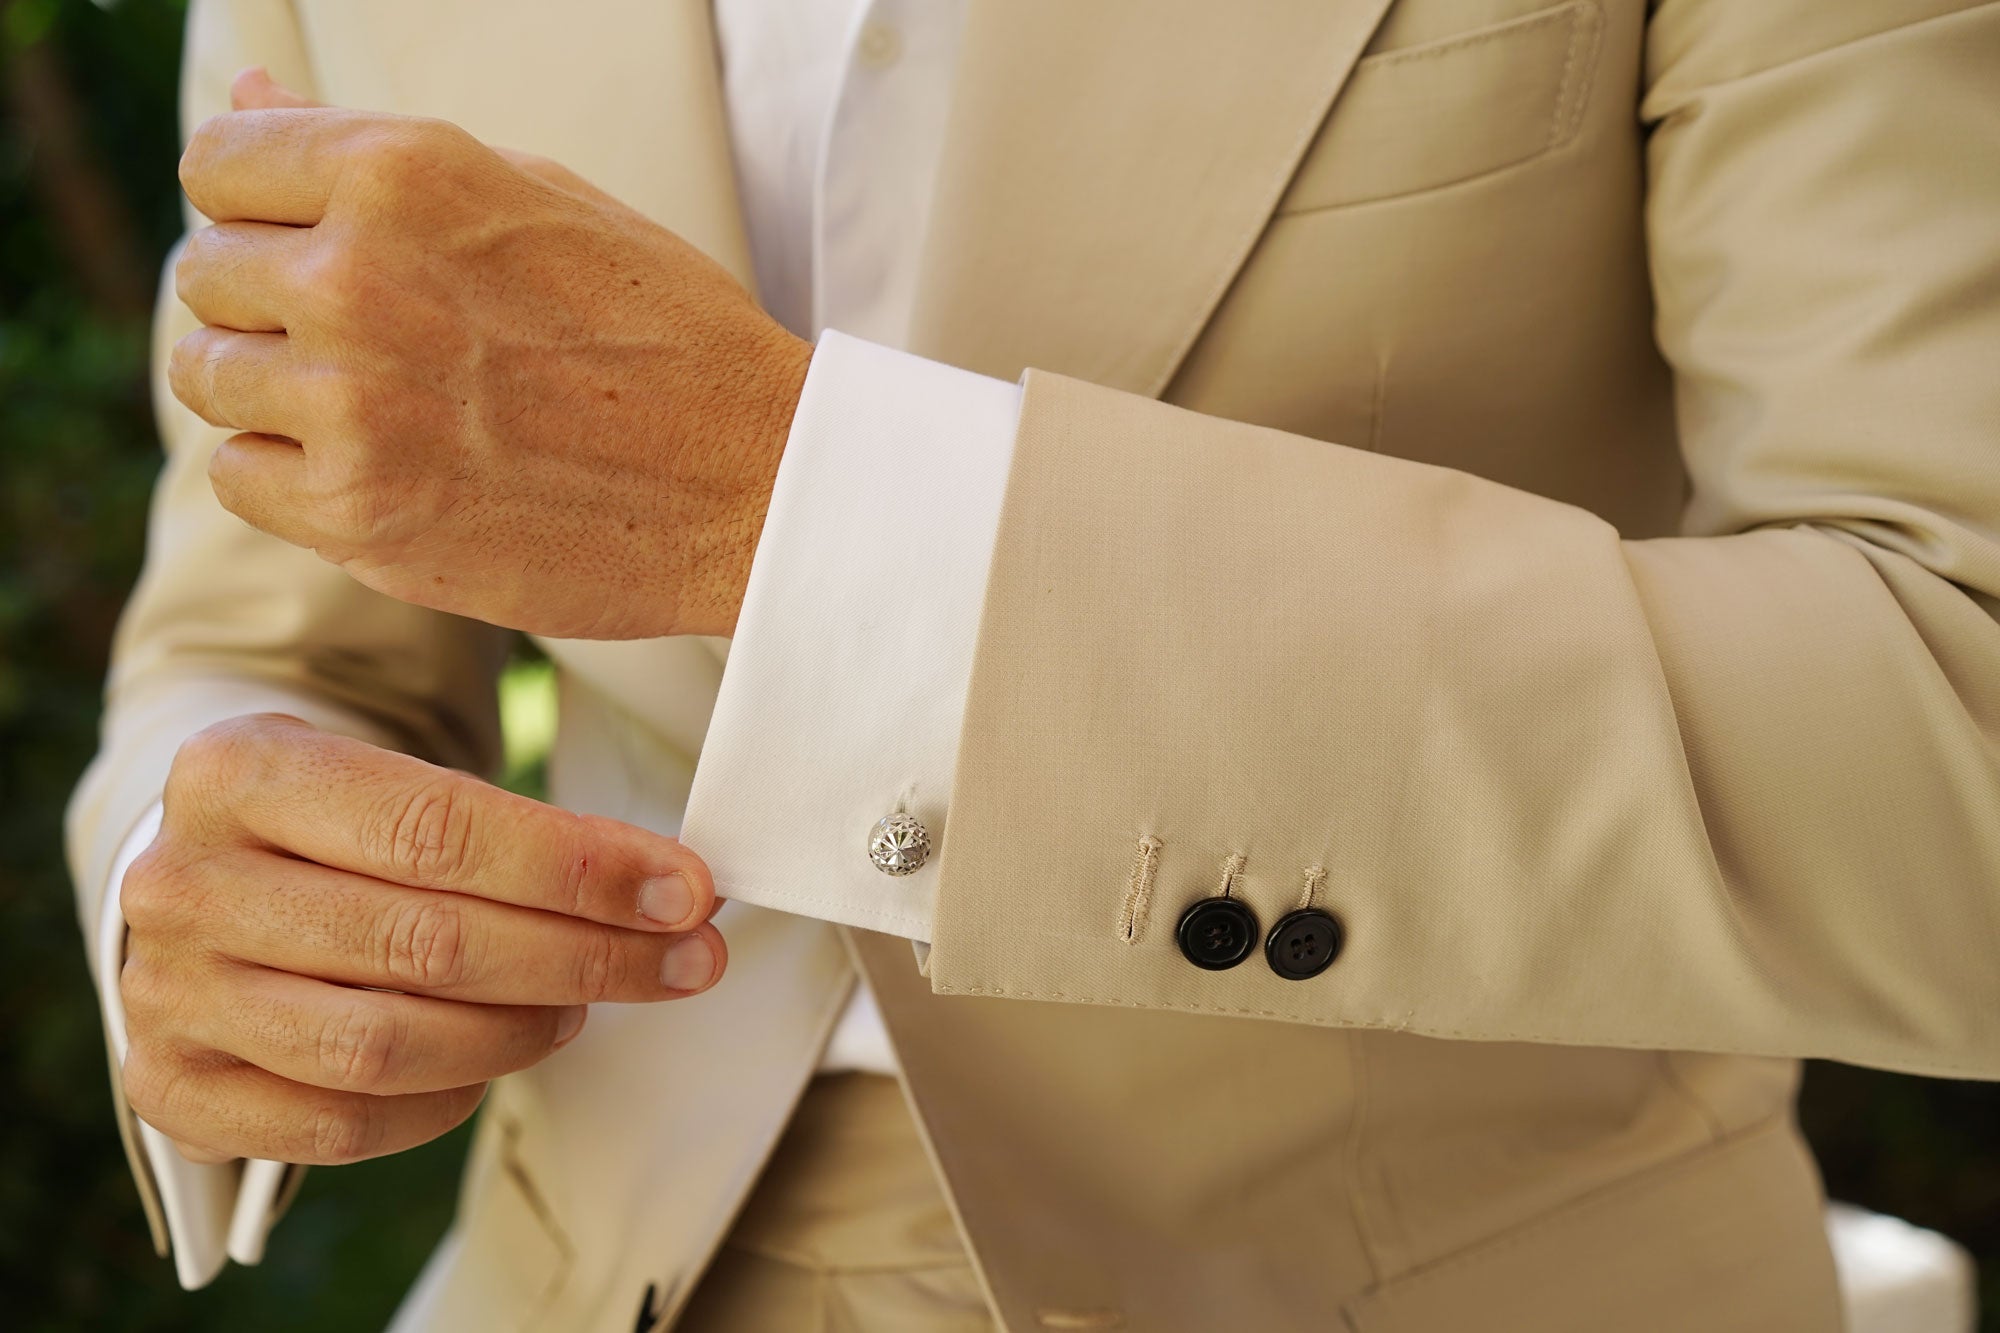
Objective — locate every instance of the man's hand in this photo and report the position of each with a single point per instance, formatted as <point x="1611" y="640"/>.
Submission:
<point x="333" y="947"/>
<point x="472" y="380"/>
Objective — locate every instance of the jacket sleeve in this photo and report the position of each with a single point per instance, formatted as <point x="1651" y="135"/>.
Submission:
<point x="227" y="621"/>
<point x="1736" y="790"/>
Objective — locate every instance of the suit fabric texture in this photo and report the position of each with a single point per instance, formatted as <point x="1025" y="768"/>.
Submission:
<point x="1532" y="462"/>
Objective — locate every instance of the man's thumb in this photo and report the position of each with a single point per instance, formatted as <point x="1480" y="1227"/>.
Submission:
<point x="255" y="90"/>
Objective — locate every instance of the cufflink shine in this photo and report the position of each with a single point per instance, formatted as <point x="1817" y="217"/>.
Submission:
<point x="899" y="844"/>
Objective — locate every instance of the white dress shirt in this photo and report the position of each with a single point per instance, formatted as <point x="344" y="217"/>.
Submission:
<point x="847" y="674"/>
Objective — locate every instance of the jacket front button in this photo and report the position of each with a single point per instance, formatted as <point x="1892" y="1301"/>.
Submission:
<point x="1217" y="933"/>
<point x="1304" y="944"/>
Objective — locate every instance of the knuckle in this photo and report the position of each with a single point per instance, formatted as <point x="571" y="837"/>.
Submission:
<point x="208" y="250"/>
<point x="396" y="158"/>
<point x="224" y="478"/>
<point x="359" y="1048"/>
<point x="141" y="990"/>
<point x="340" y="279"/>
<point x="582" y="868"/>
<point x="189" y="266"/>
<point x="347" y="481"/>
<point x="205" y="378"/>
<point x="340" y="1133"/>
<point x="547" y="169"/>
<point x="190" y="370"/>
<point x="152" y="896"/>
<point x="598" y="966"/>
<point x="357" y="515"/>
<point x="158" y="1087"/>
<point x="399" y="159"/>
<point x="200" y="150"/>
<point x="427" y="830"/>
<point x="184" y="357"/>
<point x="145" y="1084"/>
<point x="435" y="140"/>
<point x="216" y="758"/>
<point x="424" y="945"/>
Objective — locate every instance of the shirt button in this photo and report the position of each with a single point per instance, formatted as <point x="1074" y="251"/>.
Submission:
<point x="899" y="844"/>
<point x="879" y="45"/>
<point x="1217" y="933"/>
<point x="1304" y="944"/>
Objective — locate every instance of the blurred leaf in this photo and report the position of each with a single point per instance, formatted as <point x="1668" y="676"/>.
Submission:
<point x="528" y="723"/>
<point x="28" y="21"/>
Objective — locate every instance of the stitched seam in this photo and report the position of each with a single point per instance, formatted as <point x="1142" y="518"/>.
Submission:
<point x="1643" y="1182"/>
<point x="1584" y="19"/>
<point x="1357" y="1206"/>
<point x="801" y="1259"/>
<point x="1670" y="1073"/>
<point x="1139" y="890"/>
<point x="1315" y="881"/>
<point x="1050" y="1317"/>
<point x="1570" y="99"/>
<point x="1445" y="45"/>
<point x="1556" y="116"/>
<point x="1886" y="1059"/>
<point x="1415" y="192"/>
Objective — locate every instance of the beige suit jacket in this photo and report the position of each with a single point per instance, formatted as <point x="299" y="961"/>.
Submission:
<point x="1539" y="462"/>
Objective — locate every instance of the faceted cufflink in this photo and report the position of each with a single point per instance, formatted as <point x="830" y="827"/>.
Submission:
<point x="899" y="844"/>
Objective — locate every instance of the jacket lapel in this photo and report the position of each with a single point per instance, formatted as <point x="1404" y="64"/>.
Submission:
<point x="1107" y="169"/>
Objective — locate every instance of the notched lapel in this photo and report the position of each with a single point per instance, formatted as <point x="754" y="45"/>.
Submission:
<point x="1108" y="167"/>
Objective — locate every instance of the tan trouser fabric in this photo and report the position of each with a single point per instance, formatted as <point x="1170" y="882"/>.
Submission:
<point x="847" y="1232"/>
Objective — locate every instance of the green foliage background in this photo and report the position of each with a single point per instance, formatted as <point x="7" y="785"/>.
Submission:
<point x="88" y="206"/>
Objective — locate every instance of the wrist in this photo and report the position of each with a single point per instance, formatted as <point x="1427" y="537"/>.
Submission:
<point x="757" y="426"/>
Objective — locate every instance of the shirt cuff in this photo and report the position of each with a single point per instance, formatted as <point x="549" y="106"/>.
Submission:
<point x="212" y="1212"/>
<point x="846" y="680"/>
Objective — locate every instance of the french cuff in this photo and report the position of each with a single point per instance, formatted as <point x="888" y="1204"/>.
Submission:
<point x="841" y="701"/>
<point x="212" y="1213"/>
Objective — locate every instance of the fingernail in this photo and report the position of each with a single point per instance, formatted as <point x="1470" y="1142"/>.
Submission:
<point x="569" y="1024"/>
<point x="688" y="965"/>
<point x="667" y="899"/>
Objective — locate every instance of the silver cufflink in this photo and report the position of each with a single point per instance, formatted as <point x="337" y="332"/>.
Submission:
<point x="899" y="844"/>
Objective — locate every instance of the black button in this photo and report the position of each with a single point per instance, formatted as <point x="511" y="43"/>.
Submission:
<point x="1217" y="933"/>
<point x="1304" y="944"/>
